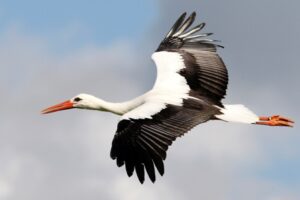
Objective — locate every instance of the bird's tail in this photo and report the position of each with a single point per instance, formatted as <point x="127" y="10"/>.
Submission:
<point x="237" y="113"/>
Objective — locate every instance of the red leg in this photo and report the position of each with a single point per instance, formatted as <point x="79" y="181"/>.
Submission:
<point x="275" y="120"/>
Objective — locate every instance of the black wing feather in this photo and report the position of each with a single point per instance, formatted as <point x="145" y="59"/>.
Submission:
<point x="205" y="71"/>
<point x="142" y="144"/>
<point x="188" y="22"/>
<point x="176" y="25"/>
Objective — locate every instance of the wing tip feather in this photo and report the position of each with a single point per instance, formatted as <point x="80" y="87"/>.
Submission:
<point x="181" y="35"/>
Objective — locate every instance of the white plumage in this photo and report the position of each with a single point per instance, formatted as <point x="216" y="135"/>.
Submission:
<point x="237" y="113"/>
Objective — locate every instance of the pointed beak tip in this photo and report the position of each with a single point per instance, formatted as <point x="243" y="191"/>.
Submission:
<point x="43" y="112"/>
<point x="58" y="107"/>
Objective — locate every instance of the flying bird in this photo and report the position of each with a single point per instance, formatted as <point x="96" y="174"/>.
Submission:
<point x="190" y="84"/>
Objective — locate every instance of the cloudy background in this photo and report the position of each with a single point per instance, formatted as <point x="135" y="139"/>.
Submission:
<point x="51" y="51"/>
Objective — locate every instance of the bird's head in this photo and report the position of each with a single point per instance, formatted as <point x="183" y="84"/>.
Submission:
<point x="83" y="101"/>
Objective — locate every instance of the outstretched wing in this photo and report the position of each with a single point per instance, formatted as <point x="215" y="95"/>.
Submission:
<point x="142" y="143"/>
<point x="204" y="70"/>
<point x="191" y="80"/>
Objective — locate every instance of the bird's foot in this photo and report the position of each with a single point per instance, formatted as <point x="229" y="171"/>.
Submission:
<point x="275" y="120"/>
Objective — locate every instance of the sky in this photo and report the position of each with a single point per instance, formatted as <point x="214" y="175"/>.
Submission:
<point x="53" y="50"/>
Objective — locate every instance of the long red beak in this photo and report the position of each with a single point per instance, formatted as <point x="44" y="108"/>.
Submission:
<point x="62" y="106"/>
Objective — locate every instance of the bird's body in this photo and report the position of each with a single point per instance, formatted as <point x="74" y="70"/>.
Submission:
<point x="191" y="82"/>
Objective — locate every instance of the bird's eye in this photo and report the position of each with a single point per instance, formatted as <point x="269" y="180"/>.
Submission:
<point x="77" y="99"/>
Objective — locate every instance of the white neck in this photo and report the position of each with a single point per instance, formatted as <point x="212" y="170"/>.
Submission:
<point x="95" y="103"/>
<point x="117" y="108"/>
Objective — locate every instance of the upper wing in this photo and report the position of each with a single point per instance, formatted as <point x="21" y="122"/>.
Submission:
<point x="142" y="143"/>
<point x="191" y="79"/>
<point x="204" y="70"/>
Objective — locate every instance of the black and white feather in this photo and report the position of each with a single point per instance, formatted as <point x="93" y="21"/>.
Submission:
<point x="191" y="81"/>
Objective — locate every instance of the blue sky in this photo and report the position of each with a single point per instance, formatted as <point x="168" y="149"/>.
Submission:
<point x="52" y="50"/>
<point x="94" y="22"/>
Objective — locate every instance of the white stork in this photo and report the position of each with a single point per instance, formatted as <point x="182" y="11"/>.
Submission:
<point x="191" y="82"/>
